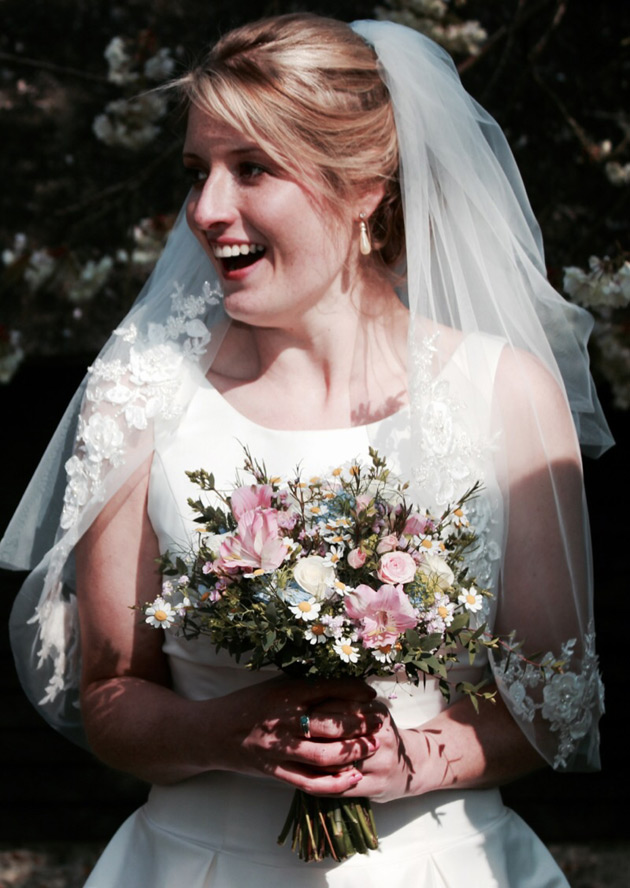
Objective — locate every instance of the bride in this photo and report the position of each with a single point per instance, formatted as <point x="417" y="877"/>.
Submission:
<point x="356" y="265"/>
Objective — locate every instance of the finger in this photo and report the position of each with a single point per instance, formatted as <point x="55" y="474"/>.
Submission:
<point x="332" y="755"/>
<point x="348" y="689"/>
<point x="319" y="782"/>
<point x="329" y="722"/>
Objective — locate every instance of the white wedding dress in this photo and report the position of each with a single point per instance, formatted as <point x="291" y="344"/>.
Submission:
<point x="219" y="830"/>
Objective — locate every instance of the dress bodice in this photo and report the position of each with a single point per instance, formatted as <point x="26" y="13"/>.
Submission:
<point x="212" y="435"/>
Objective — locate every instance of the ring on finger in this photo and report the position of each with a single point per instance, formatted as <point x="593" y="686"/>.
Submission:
<point x="305" y="725"/>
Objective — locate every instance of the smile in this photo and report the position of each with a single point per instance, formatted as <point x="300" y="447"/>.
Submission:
<point x="236" y="256"/>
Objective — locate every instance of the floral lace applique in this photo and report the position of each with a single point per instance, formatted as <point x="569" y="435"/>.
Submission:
<point x="484" y="560"/>
<point x="452" y="460"/>
<point x="125" y="395"/>
<point x="570" y="700"/>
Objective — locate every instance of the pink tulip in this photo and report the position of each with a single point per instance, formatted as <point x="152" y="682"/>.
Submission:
<point x="246" y="499"/>
<point x="256" y="544"/>
<point x="383" y="614"/>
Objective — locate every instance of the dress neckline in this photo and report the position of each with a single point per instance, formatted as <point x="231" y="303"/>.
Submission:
<point x="361" y="428"/>
<point x="402" y="413"/>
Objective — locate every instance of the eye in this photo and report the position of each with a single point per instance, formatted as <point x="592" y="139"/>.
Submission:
<point x="249" y="169"/>
<point x="196" y="175"/>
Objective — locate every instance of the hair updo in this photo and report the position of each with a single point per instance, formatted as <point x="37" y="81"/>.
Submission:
<point x="308" y="91"/>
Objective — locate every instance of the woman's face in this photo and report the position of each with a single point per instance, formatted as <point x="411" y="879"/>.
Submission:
<point x="278" y="250"/>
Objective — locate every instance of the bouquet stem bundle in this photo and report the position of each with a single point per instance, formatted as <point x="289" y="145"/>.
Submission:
<point x="329" y="827"/>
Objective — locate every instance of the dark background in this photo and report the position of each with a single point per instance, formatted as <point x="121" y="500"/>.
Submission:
<point x="554" y="75"/>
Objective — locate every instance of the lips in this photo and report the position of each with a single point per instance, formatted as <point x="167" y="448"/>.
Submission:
<point x="234" y="257"/>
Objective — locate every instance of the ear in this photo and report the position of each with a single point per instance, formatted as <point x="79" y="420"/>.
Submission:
<point x="368" y="199"/>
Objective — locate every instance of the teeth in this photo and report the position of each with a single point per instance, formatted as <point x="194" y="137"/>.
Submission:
<point x="226" y="251"/>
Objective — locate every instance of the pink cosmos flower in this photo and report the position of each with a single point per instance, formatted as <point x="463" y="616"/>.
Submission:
<point x="246" y="499"/>
<point x="356" y="558"/>
<point x="396" y="567"/>
<point x="256" y="544"/>
<point x="383" y="614"/>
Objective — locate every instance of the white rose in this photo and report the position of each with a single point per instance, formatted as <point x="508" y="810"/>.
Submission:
<point x="213" y="541"/>
<point x="315" y="576"/>
<point x="437" y="571"/>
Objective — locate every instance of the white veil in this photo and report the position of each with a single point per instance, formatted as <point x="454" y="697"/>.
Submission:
<point x="474" y="266"/>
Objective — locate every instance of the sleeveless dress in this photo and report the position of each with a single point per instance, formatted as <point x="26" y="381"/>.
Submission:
<point x="219" y="829"/>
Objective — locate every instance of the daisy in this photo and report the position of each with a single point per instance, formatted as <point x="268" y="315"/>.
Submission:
<point x="428" y="544"/>
<point x="384" y="654"/>
<point x="306" y="610"/>
<point x="346" y="651"/>
<point x="315" y="509"/>
<point x="316" y="634"/>
<point x="458" y="518"/>
<point x="471" y="599"/>
<point x="160" y="615"/>
<point x="334" y="554"/>
<point x="440" y="616"/>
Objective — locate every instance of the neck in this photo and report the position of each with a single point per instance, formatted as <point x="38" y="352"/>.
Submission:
<point x="343" y="363"/>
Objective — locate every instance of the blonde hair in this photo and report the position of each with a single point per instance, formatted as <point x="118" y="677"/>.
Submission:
<point x="308" y="90"/>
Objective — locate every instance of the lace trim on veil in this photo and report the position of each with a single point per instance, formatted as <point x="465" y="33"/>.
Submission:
<point x="124" y="395"/>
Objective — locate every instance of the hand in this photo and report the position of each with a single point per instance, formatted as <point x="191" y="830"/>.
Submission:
<point x="264" y="734"/>
<point x="387" y="770"/>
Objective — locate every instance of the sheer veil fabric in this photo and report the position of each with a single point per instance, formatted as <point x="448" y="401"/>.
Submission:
<point x="476" y="288"/>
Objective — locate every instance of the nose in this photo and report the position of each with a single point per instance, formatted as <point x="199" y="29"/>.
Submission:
<point x="214" y="204"/>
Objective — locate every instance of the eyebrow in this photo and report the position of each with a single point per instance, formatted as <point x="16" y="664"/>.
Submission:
<point x="247" y="149"/>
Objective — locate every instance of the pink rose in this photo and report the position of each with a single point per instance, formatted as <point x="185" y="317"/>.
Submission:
<point x="387" y="543"/>
<point x="246" y="499"/>
<point x="383" y="614"/>
<point x="256" y="543"/>
<point x="396" y="567"/>
<point x="356" y="558"/>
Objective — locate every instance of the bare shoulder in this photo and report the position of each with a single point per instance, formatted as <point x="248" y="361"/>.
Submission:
<point x="534" y="405"/>
<point x="523" y="379"/>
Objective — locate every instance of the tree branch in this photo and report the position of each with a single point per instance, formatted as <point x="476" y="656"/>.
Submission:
<point x="13" y="59"/>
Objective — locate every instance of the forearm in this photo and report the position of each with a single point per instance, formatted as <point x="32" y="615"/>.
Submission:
<point x="145" y="728"/>
<point x="465" y="749"/>
<point x="148" y="730"/>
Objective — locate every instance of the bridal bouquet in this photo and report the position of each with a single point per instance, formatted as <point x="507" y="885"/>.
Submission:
<point x="330" y="577"/>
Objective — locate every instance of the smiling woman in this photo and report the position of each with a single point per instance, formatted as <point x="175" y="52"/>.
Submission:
<point x="280" y="251"/>
<point x="356" y="267"/>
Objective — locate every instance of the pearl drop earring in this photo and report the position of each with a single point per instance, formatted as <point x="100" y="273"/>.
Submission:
<point x="365" y="245"/>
